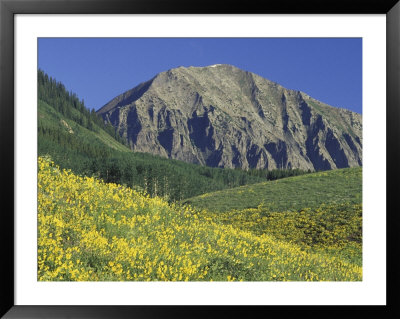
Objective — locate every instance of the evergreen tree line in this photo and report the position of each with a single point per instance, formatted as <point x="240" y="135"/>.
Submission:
<point x="155" y="175"/>
<point x="63" y="142"/>
<point x="69" y="105"/>
<point x="277" y="173"/>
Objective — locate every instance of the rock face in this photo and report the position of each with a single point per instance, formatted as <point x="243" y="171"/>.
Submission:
<point x="223" y="116"/>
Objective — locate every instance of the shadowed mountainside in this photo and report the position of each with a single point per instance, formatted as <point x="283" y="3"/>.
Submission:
<point x="222" y="116"/>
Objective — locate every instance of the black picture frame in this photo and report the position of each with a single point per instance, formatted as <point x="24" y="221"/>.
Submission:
<point x="8" y="10"/>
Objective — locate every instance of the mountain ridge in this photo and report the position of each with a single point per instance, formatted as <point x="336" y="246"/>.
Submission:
<point x="223" y="116"/>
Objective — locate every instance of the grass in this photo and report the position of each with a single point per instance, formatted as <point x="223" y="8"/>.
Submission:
<point x="288" y="194"/>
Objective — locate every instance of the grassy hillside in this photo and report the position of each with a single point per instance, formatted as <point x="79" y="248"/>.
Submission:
<point x="92" y="231"/>
<point x="50" y="119"/>
<point x="320" y="212"/>
<point x="288" y="194"/>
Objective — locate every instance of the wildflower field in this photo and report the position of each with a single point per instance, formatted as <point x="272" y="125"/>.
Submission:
<point x="89" y="230"/>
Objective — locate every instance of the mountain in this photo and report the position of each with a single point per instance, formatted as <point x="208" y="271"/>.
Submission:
<point x="222" y="116"/>
<point x="77" y="139"/>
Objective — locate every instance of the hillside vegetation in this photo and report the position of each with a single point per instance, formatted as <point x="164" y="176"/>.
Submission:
<point x="90" y="230"/>
<point x="96" y="153"/>
<point x="288" y="194"/>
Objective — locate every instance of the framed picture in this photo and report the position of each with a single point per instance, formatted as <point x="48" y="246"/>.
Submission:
<point x="36" y="32"/>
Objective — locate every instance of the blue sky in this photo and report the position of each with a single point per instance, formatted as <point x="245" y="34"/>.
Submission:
<point x="98" y="69"/>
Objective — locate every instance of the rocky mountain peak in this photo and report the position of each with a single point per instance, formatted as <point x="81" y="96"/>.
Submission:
<point x="222" y="116"/>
